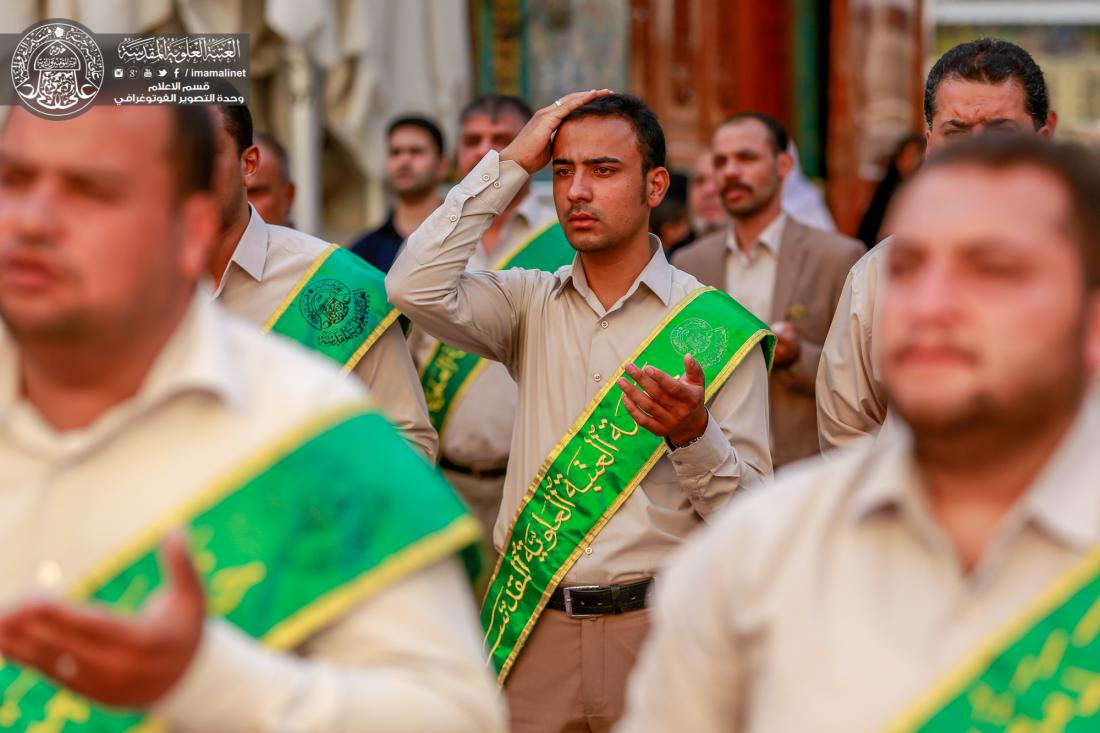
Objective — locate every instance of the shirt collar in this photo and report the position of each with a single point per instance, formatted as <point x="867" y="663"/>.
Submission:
<point x="1060" y="500"/>
<point x="657" y="276"/>
<point x="770" y="239"/>
<point x="251" y="252"/>
<point x="197" y="358"/>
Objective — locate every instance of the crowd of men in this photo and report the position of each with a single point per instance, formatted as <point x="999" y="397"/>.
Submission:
<point x="219" y="435"/>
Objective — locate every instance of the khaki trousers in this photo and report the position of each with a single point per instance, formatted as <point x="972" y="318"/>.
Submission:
<point x="571" y="675"/>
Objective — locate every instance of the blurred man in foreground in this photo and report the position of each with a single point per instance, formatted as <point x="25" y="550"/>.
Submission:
<point x="313" y="586"/>
<point x="876" y="581"/>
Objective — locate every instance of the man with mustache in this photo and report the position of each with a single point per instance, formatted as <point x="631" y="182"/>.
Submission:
<point x="642" y="400"/>
<point x="980" y="86"/>
<point x="296" y="285"/>
<point x="784" y="271"/>
<point x="947" y="577"/>
<point x="415" y="169"/>
<point x="316" y="585"/>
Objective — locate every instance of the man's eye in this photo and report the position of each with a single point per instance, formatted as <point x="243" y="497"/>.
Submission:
<point x="562" y="172"/>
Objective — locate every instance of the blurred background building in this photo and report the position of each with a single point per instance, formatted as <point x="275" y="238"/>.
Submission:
<point x="844" y="75"/>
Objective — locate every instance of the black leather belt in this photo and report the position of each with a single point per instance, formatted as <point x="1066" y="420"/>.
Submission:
<point x="475" y="471"/>
<point x="582" y="601"/>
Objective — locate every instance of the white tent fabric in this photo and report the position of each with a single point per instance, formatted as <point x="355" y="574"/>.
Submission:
<point x="374" y="59"/>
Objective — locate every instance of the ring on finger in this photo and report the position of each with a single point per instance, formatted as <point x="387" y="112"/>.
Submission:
<point x="66" y="666"/>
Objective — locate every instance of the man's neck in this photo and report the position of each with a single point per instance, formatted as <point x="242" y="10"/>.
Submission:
<point x="72" y="382"/>
<point x="611" y="272"/>
<point x="492" y="237"/>
<point x="227" y="244"/>
<point x="410" y="213"/>
<point x="975" y="477"/>
<point x="749" y="228"/>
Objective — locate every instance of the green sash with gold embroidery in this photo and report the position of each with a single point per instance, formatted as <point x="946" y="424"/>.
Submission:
<point x="338" y="308"/>
<point x="597" y="465"/>
<point x="448" y="370"/>
<point x="290" y="542"/>
<point x="1041" y="673"/>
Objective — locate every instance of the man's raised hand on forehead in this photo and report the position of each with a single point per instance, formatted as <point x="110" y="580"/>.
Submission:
<point x="531" y="148"/>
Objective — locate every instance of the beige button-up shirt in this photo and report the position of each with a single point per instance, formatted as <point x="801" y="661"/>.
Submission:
<point x="560" y="344"/>
<point x="851" y="401"/>
<point x="833" y="601"/>
<point x="479" y="428"/>
<point x="750" y="278"/>
<point x="407" y="659"/>
<point x="267" y="264"/>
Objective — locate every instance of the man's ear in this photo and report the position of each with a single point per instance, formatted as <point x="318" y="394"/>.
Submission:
<point x="250" y="163"/>
<point x="199" y="225"/>
<point x="657" y="181"/>
<point x="784" y="163"/>
<point x="1047" y="130"/>
<point x="1092" y="334"/>
<point x="291" y="189"/>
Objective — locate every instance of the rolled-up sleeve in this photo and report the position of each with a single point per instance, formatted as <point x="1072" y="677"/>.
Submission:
<point x="475" y="311"/>
<point x="734" y="451"/>
<point x="407" y="660"/>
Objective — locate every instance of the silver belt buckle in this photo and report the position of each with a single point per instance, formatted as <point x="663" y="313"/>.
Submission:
<point x="567" y="594"/>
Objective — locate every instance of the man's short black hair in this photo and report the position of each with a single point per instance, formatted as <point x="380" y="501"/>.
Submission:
<point x="421" y="123"/>
<point x="1077" y="167"/>
<point x="192" y="148"/>
<point x="990" y="61"/>
<point x="238" y="122"/>
<point x="780" y="139"/>
<point x="268" y="141"/>
<point x="647" y="130"/>
<point x="494" y="106"/>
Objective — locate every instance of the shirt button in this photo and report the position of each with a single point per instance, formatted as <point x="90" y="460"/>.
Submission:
<point x="597" y="376"/>
<point x="49" y="574"/>
<point x="452" y="217"/>
<point x="496" y="184"/>
<point x="485" y="176"/>
<point x="603" y="324"/>
<point x="588" y="551"/>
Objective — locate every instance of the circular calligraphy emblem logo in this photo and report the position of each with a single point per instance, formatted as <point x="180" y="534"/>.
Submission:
<point x="325" y="303"/>
<point x="697" y="337"/>
<point x="57" y="69"/>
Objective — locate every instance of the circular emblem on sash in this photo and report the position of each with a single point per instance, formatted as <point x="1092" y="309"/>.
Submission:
<point x="703" y="341"/>
<point x="338" y="312"/>
<point x="325" y="303"/>
<point x="57" y="69"/>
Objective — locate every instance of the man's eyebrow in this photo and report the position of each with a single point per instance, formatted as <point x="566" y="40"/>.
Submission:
<point x="561" y="161"/>
<point x="602" y="159"/>
<point x="998" y="121"/>
<point x="959" y="124"/>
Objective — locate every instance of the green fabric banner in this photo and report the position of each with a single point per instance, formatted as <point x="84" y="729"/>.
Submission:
<point x="599" y="462"/>
<point x="287" y="544"/>
<point x="1042" y="673"/>
<point x="448" y="370"/>
<point x="338" y="308"/>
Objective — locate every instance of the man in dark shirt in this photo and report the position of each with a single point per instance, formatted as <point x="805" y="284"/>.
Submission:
<point x="415" y="168"/>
